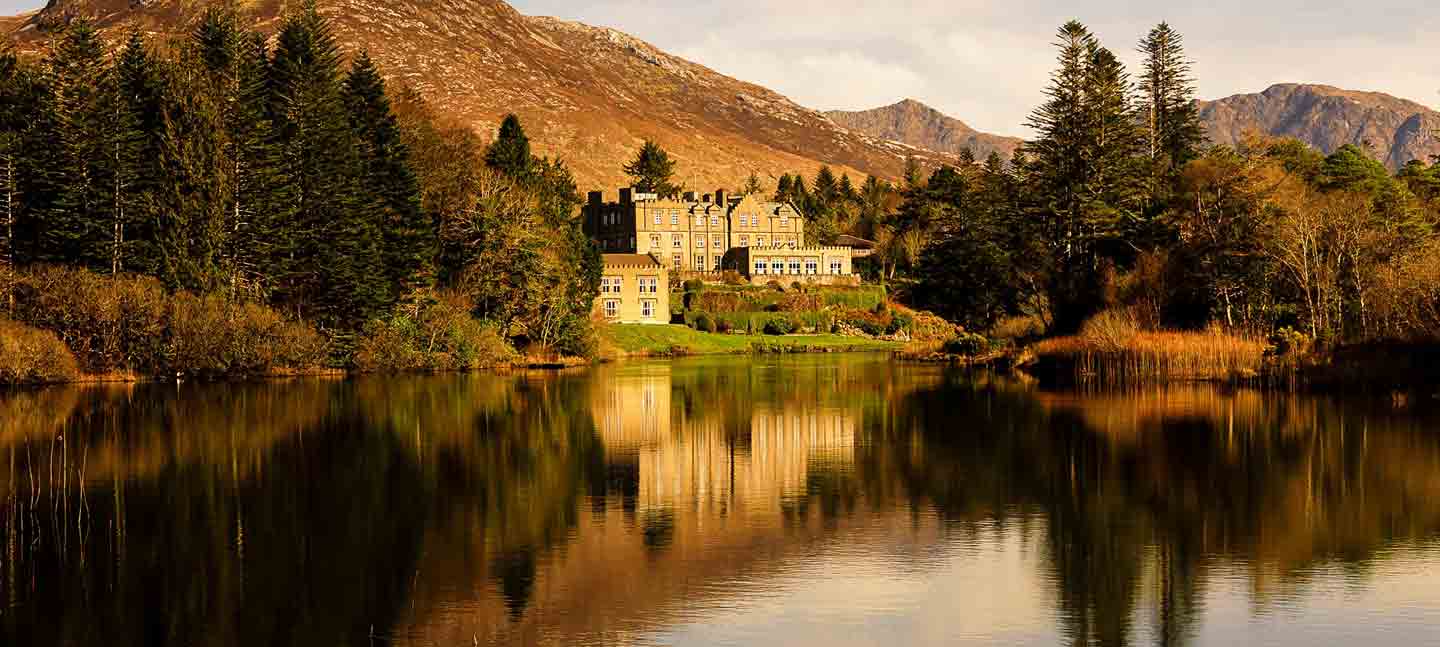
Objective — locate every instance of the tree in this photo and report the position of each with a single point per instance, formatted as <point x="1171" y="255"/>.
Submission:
<point x="752" y="185"/>
<point x="510" y="153"/>
<point x="1168" y="111"/>
<point x="388" y="184"/>
<point x="652" y="170"/>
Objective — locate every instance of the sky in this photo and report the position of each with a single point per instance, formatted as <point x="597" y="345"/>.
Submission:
<point x="987" y="62"/>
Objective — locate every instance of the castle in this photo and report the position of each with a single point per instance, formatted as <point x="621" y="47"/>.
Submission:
<point x="756" y="238"/>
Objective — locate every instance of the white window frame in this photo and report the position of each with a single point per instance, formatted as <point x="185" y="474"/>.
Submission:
<point x="719" y="262"/>
<point x="676" y="241"/>
<point x="836" y="267"/>
<point x="699" y="262"/>
<point x="678" y="260"/>
<point x="718" y="242"/>
<point x="674" y="217"/>
<point x="794" y="266"/>
<point x="612" y="308"/>
<point x="744" y="240"/>
<point x="647" y="308"/>
<point x="761" y="267"/>
<point x="649" y="285"/>
<point x="715" y="221"/>
<point x="700" y="242"/>
<point x="759" y="241"/>
<point x="655" y="241"/>
<point x="657" y="217"/>
<point x="812" y="266"/>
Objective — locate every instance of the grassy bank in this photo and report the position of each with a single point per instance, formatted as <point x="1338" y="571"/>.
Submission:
<point x="654" y="341"/>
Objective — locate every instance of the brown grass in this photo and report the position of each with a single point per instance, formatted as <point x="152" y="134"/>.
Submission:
<point x="1109" y="354"/>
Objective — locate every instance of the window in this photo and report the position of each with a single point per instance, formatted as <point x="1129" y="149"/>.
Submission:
<point x="647" y="308"/>
<point x="610" y="284"/>
<point x="674" y="217"/>
<point x="699" y="262"/>
<point x="744" y="240"/>
<point x="759" y="241"/>
<point x="834" y="267"/>
<point x="810" y="266"/>
<point x="649" y="285"/>
<point x="792" y="242"/>
<point x="612" y="308"/>
<point x="719" y="262"/>
<point x="677" y="260"/>
<point x="717" y="242"/>
<point x="700" y="242"/>
<point x="655" y="240"/>
<point x="744" y="221"/>
<point x="699" y="220"/>
<point x="657" y="217"/>
<point x="760" y="267"/>
<point x="794" y="266"/>
<point x="715" y="221"/>
<point x="675" y="240"/>
<point x="784" y="220"/>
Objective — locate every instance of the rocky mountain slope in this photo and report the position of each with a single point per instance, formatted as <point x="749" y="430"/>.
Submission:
<point x="587" y="94"/>
<point x="1393" y="130"/>
<point x="917" y="124"/>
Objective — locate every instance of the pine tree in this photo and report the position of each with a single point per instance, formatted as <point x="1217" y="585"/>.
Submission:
<point x="826" y="188"/>
<point x="510" y="152"/>
<point x="1168" y="112"/>
<point x="785" y="188"/>
<point x="79" y="225"/>
<point x="387" y="183"/>
<point x="652" y="170"/>
<point x="17" y="103"/>
<point x="327" y="255"/>
<point x="1112" y="191"/>
<point x="136" y="147"/>
<point x="752" y="185"/>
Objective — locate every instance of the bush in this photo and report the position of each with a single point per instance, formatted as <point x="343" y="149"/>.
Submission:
<point x="109" y="323"/>
<point x="211" y="335"/>
<point x="431" y="332"/>
<point x="967" y="345"/>
<point x="32" y="356"/>
<point x="898" y="322"/>
<point x="775" y="285"/>
<point x="1111" y="330"/>
<point x="704" y="323"/>
<point x="779" y="326"/>
<point x="723" y="325"/>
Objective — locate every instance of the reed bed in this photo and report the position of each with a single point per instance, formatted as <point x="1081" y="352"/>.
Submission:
<point x="1150" y="356"/>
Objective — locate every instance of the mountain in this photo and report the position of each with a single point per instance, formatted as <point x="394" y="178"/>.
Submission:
<point x="589" y="95"/>
<point x="917" y="124"/>
<point x="1394" y="130"/>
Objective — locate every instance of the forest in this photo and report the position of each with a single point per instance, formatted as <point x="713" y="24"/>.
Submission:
<point x="1118" y="211"/>
<point x="221" y="205"/>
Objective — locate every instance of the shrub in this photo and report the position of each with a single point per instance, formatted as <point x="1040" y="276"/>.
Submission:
<point x="110" y="323"/>
<point x="967" y="345"/>
<point x="211" y="335"/>
<point x="796" y="286"/>
<point x="779" y="326"/>
<point x="898" y="322"/>
<point x="32" y="356"/>
<point x="432" y="332"/>
<point x="723" y="325"/>
<point x="704" y="323"/>
<point x="731" y="277"/>
<point x="1111" y="330"/>
<point x="775" y="285"/>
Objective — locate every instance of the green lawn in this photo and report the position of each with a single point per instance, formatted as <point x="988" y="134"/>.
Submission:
<point x="660" y="340"/>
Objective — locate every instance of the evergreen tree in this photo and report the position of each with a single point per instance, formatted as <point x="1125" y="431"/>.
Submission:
<point x="387" y="183"/>
<point x="652" y="170"/>
<point x="1168" y="112"/>
<point x="827" y="188"/>
<point x="79" y="225"/>
<point x="136" y="147"/>
<point x="784" y="189"/>
<point x="327" y="256"/>
<point x="510" y="152"/>
<point x="846" y="190"/>
<point x="1113" y="189"/>
<point x="18" y="104"/>
<point x="752" y="185"/>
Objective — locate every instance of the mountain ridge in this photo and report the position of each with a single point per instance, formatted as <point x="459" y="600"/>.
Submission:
<point x="912" y="122"/>
<point x="590" y="95"/>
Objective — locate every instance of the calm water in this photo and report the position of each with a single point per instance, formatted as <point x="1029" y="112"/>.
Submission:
<point x="829" y="501"/>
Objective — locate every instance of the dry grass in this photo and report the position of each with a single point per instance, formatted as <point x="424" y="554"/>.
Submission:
<point x="1109" y="353"/>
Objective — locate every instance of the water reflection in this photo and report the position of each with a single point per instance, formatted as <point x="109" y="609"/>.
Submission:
<point x="718" y="501"/>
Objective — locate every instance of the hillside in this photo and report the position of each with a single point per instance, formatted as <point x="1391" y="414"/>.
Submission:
<point x="917" y="124"/>
<point x="587" y="94"/>
<point x="1394" y="130"/>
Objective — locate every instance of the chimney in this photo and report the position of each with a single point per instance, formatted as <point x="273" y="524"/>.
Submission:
<point x="720" y="197"/>
<point x="705" y="198"/>
<point x="596" y="198"/>
<point x="689" y="196"/>
<point x="625" y="195"/>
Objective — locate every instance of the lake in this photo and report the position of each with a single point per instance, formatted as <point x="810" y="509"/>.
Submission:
<point x="830" y="500"/>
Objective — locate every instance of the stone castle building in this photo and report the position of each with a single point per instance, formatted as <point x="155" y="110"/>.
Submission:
<point x="634" y="288"/>
<point x="751" y="236"/>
